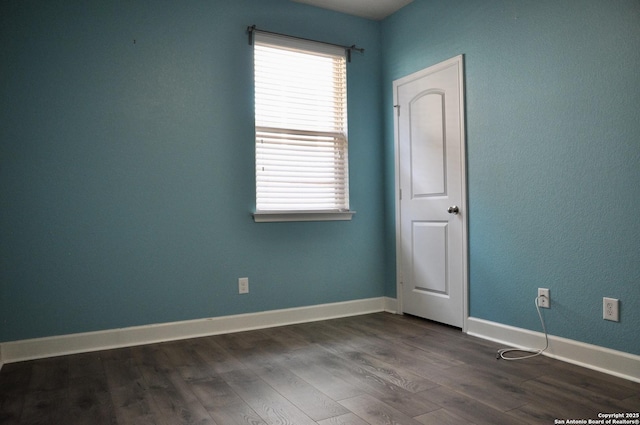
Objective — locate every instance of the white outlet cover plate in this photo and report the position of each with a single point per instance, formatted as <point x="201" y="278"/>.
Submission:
<point x="243" y="285"/>
<point x="541" y="302"/>
<point x="614" y="314"/>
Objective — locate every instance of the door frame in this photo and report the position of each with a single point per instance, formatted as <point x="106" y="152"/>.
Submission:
<point x="464" y="207"/>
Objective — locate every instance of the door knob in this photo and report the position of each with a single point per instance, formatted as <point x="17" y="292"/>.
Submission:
<point x="453" y="210"/>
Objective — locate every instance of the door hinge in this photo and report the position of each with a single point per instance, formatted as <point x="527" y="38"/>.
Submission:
<point x="397" y="109"/>
<point x="401" y="194"/>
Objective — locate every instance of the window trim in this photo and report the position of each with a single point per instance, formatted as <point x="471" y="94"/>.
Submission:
<point x="283" y="216"/>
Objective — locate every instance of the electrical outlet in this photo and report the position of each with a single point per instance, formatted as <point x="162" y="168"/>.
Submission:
<point x="544" y="300"/>
<point x="610" y="309"/>
<point x="243" y="285"/>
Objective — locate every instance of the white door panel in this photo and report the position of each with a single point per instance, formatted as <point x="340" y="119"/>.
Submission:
<point x="430" y="179"/>
<point x="427" y="150"/>
<point x="429" y="267"/>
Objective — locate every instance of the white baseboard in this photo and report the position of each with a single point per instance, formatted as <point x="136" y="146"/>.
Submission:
<point x="30" y="349"/>
<point x="391" y="305"/>
<point x="613" y="362"/>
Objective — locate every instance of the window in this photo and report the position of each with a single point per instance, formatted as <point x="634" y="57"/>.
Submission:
<point x="301" y="130"/>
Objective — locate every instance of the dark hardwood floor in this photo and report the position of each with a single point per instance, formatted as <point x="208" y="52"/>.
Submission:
<point x="373" y="369"/>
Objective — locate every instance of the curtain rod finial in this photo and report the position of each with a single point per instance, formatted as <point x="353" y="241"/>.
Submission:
<point x="250" y="30"/>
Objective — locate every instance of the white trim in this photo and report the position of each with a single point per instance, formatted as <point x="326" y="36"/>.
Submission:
<point x="613" y="362"/>
<point x="279" y="216"/>
<point x="30" y="349"/>
<point x="391" y="305"/>
<point x="602" y="359"/>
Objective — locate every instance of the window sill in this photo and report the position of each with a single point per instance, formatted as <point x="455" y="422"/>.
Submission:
<point x="281" y="216"/>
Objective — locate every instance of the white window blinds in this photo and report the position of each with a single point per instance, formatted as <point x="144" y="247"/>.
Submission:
<point x="301" y="125"/>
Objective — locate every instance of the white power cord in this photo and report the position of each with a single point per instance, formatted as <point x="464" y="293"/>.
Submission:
<point x="503" y="351"/>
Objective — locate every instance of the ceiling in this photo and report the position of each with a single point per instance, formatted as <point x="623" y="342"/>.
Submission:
<point x="370" y="9"/>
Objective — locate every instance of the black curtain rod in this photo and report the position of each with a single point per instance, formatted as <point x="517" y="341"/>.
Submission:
<point x="252" y="28"/>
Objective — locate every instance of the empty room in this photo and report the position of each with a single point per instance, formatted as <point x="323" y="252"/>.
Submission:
<point x="319" y="212"/>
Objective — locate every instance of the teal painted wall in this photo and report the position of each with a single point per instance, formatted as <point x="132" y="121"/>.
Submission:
<point x="553" y="146"/>
<point x="126" y="167"/>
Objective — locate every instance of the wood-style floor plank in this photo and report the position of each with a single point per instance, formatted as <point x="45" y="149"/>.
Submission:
<point x="304" y="396"/>
<point x="442" y="417"/>
<point x="90" y="401"/>
<point x="223" y="404"/>
<point x="396" y="375"/>
<point x="50" y="374"/>
<point x="129" y="390"/>
<point x="348" y="419"/>
<point x="273" y="407"/>
<point x="384" y="390"/>
<point x="473" y="382"/>
<point x="184" y="358"/>
<point x="365" y="370"/>
<point x="46" y="407"/>
<point x="177" y="404"/>
<point x="375" y="412"/>
<point x="214" y="355"/>
<point x="11" y="408"/>
<point x="470" y="408"/>
<point x="14" y="384"/>
<point x="300" y="362"/>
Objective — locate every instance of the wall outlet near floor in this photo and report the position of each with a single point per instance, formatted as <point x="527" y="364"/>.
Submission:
<point x="544" y="300"/>
<point x="610" y="309"/>
<point x="243" y="285"/>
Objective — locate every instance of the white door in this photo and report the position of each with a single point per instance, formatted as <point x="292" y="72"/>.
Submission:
<point x="430" y="181"/>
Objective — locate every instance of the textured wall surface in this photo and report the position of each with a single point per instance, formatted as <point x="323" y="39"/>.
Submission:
<point x="126" y="167"/>
<point x="553" y="146"/>
<point x="126" y="162"/>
